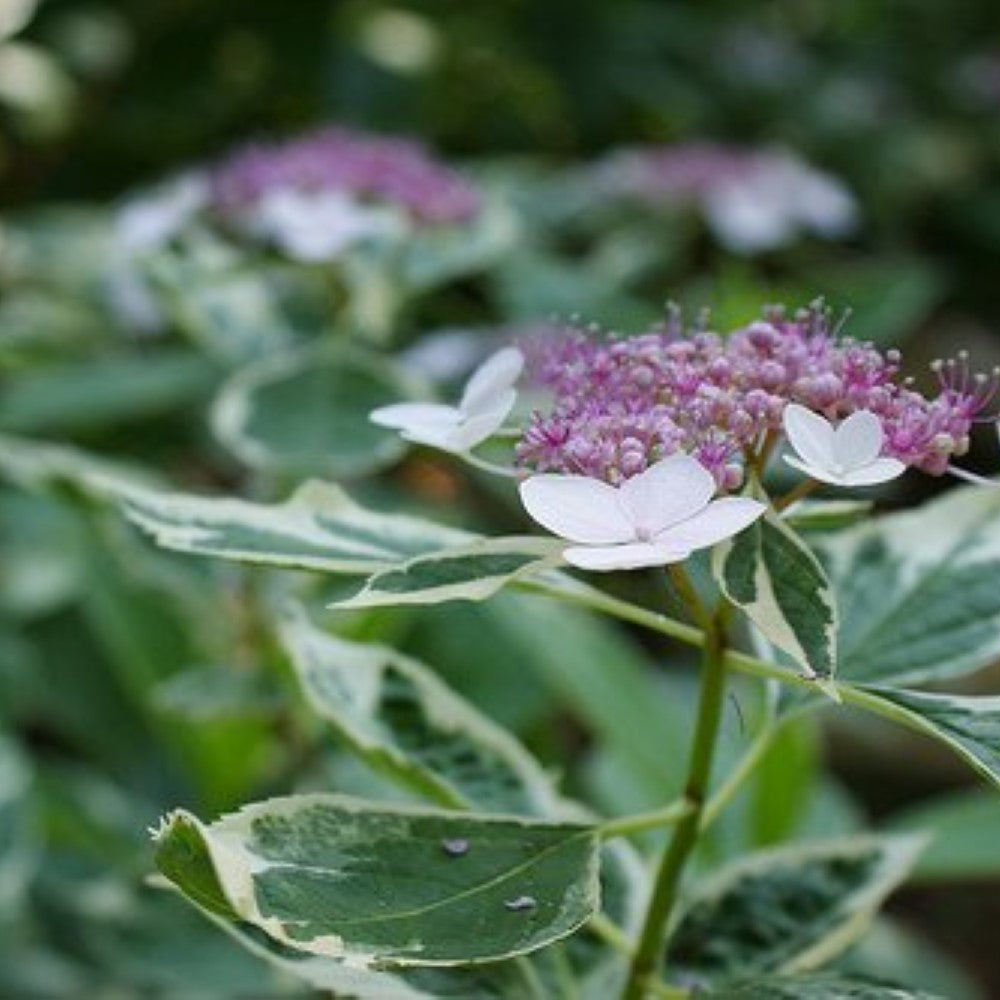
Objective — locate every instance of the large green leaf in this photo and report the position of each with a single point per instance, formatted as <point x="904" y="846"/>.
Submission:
<point x="968" y="725"/>
<point x="318" y="528"/>
<point x="820" y="987"/>
<point x="373" y="885"/>
<point x="17" y="837"/>
<point x="917" y="591"/>
<point x="773" y="576"/>
<point x="400" y="717"/>
<point x="40" y="465"/>
<point x="112" y="390"/>
<point x="788" y="910"/>
<point x="306" y="413"/>
<point x="470" y="573"/>
<point x="438" y="254"/>
<point x="964" y="831"/>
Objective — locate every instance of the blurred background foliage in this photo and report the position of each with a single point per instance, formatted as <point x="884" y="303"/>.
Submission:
<point x="132" y="680"/>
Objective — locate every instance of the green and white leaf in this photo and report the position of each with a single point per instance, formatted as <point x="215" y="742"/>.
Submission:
<point x="306" y="413"/>
<point x="434" y="255"/>
<point x="788" y="910"/>
<point x="376" y="885"/>
<point x="776" y="580"/>
<point x="231" y="310"/>
<point x="819" y="987"/>
<point x="76" y="396"/>
<point x="319" y="528"/>
<point x="918" y="591"/>
<point x="472" y="572"/>
<point x="397" y="714"/>
<point x="39" y="465"/>
<point x="968" y="725"/>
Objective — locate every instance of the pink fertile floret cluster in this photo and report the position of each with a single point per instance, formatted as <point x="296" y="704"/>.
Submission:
<point x="621" y="404"/>
<point x="370" y="167"/>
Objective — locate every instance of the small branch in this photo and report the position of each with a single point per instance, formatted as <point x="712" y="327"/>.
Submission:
<point x="610" y="933"/>
<point x="803" y="489"/>
<point x="628" y="826"/>
<point x="491" y="467"/>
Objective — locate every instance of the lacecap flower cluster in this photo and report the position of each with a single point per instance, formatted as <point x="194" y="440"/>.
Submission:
<point x="368" y="167"/>
<point x="622" y="404"/>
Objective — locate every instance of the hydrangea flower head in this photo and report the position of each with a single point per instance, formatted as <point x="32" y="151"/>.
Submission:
<point x="753" y="199"/>
<point x="372" y="169"/>
<point x="622" y="404"/>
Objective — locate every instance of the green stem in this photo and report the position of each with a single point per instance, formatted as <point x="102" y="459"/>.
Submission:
<point x="627" y="826"/>
<point x="803" y="489"/>
<point x="652" y="937"/>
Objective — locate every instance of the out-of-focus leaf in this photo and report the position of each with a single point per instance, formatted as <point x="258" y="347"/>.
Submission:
<point x="820" y="987"/>
<point x="18" y="837"/>
<point x="319" y="528"/>
<point x="97" y="394"/>
<point x="787" y="910"/>
<point x="395" y="713"/>
<point x="306" y="413"/>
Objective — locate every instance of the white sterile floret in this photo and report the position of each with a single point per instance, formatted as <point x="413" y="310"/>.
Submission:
<point x="316" y="225"/>
<point x="846" y="455"/>
<point x="657" y="517"/>
<point x="488" y="398"/>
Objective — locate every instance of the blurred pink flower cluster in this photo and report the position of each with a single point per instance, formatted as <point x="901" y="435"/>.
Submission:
<point x="621" y="405"/>
<point x="752" y="199"/>
<point x="383" y="169"/>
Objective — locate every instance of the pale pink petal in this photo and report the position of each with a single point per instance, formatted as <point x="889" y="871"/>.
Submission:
<point x="492" y="379"/>
<point x="672" y="490"/>
<point x="475" y="429"/>
<point x="603" y="558"/>
<point x="815" y="472"/>
<point x="577" y="508"/>
<point x="719" y="520"/>
<point x="402" y="416"/>
<point x="879" y="471"/>
<point x="810" y="435"/>
<point x="857" y="441"/>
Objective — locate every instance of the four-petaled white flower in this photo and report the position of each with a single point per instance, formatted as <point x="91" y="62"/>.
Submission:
<point x="487" y="400"/>
<point x="846" y="455"/>
<point x="657" y="517"/>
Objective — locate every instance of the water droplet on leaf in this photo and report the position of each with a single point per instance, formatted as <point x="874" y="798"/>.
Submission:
<point x="521" y="904"/>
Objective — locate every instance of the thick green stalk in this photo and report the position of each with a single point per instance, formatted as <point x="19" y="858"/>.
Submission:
<point x="652" y="938"/>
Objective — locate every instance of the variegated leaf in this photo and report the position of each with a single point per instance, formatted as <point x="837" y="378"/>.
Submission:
<point x="306" y="413"/>
<point x="773" y="576"/>
<point x="968" y="725"/>
<point x="401" y="718"/>
<point x="473" y="572"/>
<point x="374" y="885"/>
<point x="819" y="987"/>
<point x="37" y="465"/>
<point x="318" y="528"/>
<point x="918" y="591"/>
<point x="788" y="910"/>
